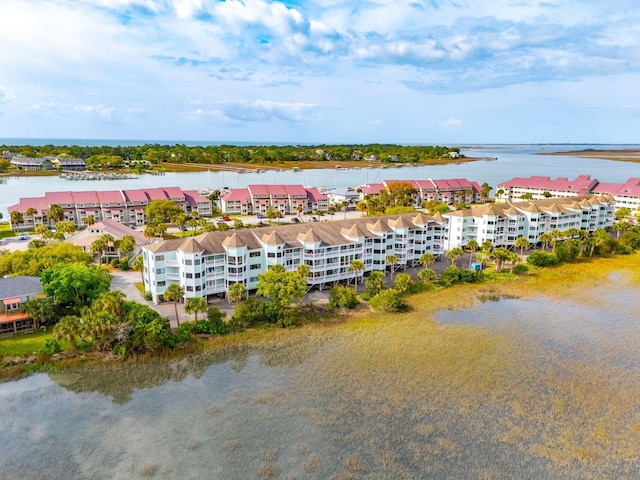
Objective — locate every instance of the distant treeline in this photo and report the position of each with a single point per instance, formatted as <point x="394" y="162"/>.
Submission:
<point x="217" y="154"/>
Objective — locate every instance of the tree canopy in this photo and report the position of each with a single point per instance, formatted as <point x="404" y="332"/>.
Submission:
<point x="34" y="261"/>
<point x="75" y="284"/>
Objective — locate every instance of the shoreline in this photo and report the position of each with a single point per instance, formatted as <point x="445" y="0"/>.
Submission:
<point x="551" y="282"/>
<point x="622" y="155"/>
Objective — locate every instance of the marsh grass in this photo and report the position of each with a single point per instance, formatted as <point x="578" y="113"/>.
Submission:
<point x="402" y="396"/>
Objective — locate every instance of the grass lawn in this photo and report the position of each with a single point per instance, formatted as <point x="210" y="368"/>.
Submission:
<point x="25" y="343"/>
<point x="5" y="230"/>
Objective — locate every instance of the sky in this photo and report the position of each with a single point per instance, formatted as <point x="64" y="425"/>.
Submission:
<point x="322" y="71"/>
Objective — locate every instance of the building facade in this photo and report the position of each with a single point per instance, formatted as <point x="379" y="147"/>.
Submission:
<point x="447" y="191"/>
<point x="208" y="263"/>
<point x="14" y="292"/>
<point x="503" y="224"/>
<point x="122" y="206"/>
<point x="286" y="199"/>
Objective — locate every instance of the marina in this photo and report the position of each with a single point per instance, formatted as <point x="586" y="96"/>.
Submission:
<point x="89" y="176"/>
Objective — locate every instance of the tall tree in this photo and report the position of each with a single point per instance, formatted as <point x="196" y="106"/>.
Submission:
<point x="195" y="305"/>
<point x="356" y="266"/>
<point x="75" y="284"/>
<point x="236" y="292"/>
<point x="472" y="246"/>
<point x="16" y="218"/>
<point x="454" y="254"/>
<point x="281" y="287"/>
<point x="392" y="261"/>
<point x="56" y="213"/>
<point x="522" y="243"/>
<point x="427" y="259"/>
<point x="89" y="220"/>
<point x="174" y="293"/>
<point x="138" y="266"/>
<point x="41" y="310"/>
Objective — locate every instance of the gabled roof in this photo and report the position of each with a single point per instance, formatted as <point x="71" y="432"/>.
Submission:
<point x="19" y="286"/>
<point x="58" y="198"/>
<point x="272" y="239"/>
<point x="233" y="241"/>
<point x="378" y="227"/>
<point x="401" y="222"/>
<point x="191" y="245"/>
<point x="111" y="196"/>
<point x="308" y="237"/>
<point x="354" y="232"/>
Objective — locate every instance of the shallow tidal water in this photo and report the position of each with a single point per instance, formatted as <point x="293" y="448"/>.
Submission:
<point x="505" y="389"/>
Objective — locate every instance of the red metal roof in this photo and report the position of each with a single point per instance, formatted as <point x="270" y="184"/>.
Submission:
<point x="581" y="185"/>
<point x="156" y="194"/>
<point x="110" y="196"/>
<point x="85" y="197"/>
<point x="630" y="188"/>
<point x="59" y="198"/>
<point x="237" y="194"/>
<point x="135" y="195"/>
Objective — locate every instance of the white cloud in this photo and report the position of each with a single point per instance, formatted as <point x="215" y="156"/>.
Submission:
<point x="453" y="122"/>
<point x="6" y="95"/>
<point x="263" y="110"/>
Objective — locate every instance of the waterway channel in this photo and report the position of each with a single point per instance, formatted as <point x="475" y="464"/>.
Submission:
<point x="530" y="389"/>
<point x="512" y="161"/>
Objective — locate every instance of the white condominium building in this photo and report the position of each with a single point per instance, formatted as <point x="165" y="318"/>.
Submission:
<point x="503" y="224"/>
<point x="208" y="263"/>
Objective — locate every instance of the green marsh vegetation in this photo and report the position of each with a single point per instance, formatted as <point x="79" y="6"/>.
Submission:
<point x="403" y="396"/>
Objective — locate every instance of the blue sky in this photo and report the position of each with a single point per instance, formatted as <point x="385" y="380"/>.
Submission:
<point x="322" y="71"/>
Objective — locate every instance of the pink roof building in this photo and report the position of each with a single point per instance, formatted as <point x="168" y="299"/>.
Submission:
<point x="541" y="187"/>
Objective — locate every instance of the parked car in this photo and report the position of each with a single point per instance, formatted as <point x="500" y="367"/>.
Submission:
<point x="314" y="219"/>
<point x="23" y="236"/>
<point x="226" y="218"/>
<point x="260" y="216"/>
<point x="295" y="220"/>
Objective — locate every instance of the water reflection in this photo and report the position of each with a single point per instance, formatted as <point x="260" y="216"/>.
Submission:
<point x="509" y="389"/>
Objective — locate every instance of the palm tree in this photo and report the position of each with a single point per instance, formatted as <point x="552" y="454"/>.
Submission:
<point x="331" y="210"/>
<point x="472" y="245"/>
<point x="56" y="213"/>
<point x="31" y="211"/>
<point x="68" y="328"/>
<point x="454" y="254"/>
<point x="616" y="227"/>
<point x="427" y="259"/>
<point x="179" y="221"/>
<point x="392" y="260"/>
<point x="174" y="293"/>
<point x="236" y="292"/>
<point x="544" y="240"/>
<point x="522" y="243"/>
<point x="554" y="236"/>
<point x="195" y="305"/>
<point x="487" y="245"/>
<point x="89" y="220"/>
<point x="500" y="255"/>
<point x="138" y="266"/>
<point x="16" y="217"/>
<point x="299" y="209"/>
<point x="357" y="266"/>
<point x="98" y="246"/>
<point x="426" y="274"/>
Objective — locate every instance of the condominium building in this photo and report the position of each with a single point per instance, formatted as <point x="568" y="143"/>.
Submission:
<point x="286" y="199"/>
<point x="208" y="263"/>
<point x="447" y="191"/>
<point x="503" y="224"/>
<point x="539" y="188"/>
<point x="536" y="188"/>
<point x="626" y="195"/>
<point x="122" y="206"/>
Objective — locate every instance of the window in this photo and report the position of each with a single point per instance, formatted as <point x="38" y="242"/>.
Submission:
<point x="196" y="261"/>
<point x="189" y="288"/>
<point x="271" y="255"/>
<point x="159" y="258"/>
<point x="189" y="275"/>
<point x="255" y="254"/>
<point x="197" y="275"/>
<point x="255" y="266"/>
<point x="188" y="262"/>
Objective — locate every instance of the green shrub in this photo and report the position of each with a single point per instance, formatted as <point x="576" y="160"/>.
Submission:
<point x="402" y="282"/>
<point x="540" y="258"/>
<point x="453" y="275"/>
<point x="342" y="297"/>
<point x="520" y="268"/>
<point x="148" y="296"/>
<point x="124" y="265"/>
<point x="374" y="283"/>
<point x="51" y="346"/>
<point x="389" y="300"/>
<point x="115" y="263"/>
<point x="210" y="327"/>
